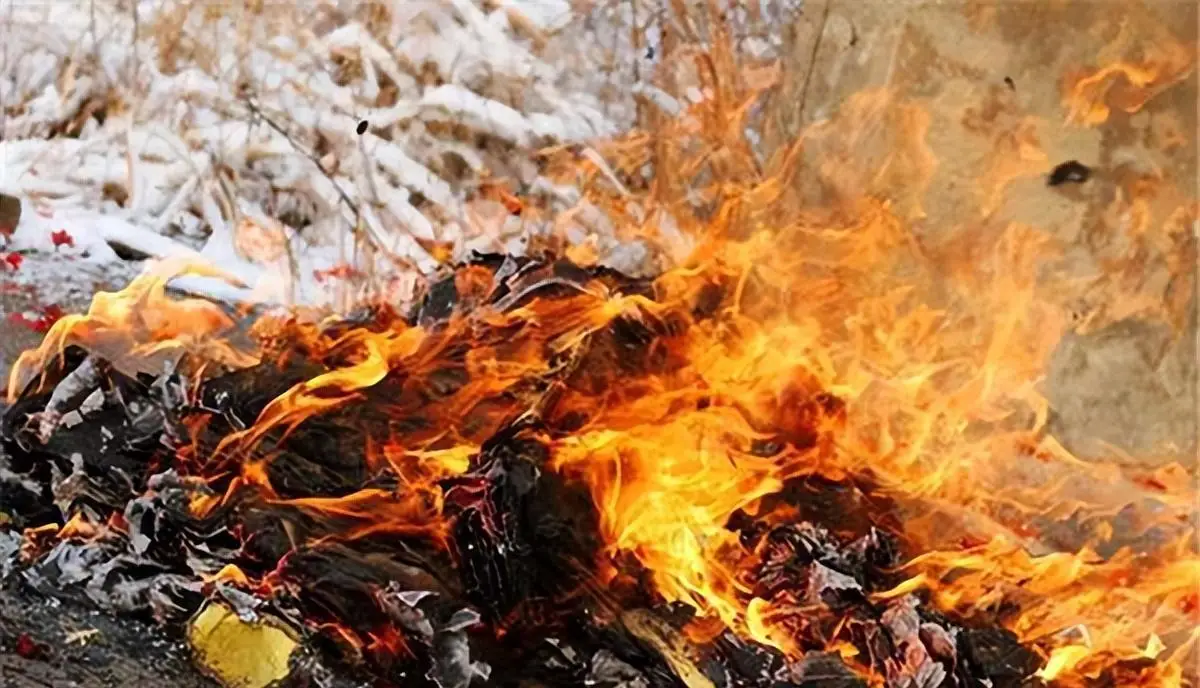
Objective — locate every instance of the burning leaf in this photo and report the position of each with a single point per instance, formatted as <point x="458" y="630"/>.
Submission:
<point x="238" y="653"/>
<point x="1063" y="659"/>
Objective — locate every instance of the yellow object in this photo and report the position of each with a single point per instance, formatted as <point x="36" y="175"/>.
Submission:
<point x="237" y="653"/>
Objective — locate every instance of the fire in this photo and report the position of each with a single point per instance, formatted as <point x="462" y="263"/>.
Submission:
<point x="1111" y="604"/>
<point x="140" y="325"/>
<point x="1127" y="82"/>
<point x="790" y="340"/>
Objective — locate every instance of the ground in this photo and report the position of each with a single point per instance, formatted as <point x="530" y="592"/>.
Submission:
<point x="45" y="643"/>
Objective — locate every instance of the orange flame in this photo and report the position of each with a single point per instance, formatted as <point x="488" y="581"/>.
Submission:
<point x="1129" y="83"/>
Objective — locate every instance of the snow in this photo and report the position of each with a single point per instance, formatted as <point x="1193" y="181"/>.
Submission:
<point x="169" y="130"/>
<point x="92" y="237"/>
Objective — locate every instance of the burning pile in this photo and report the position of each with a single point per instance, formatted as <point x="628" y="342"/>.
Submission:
<point x="545" y="473"/>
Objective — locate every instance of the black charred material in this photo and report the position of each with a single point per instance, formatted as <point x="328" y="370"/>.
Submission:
<point x="321" y="457"/>
<point x="97" y="463"/>
<point x="1070" y="172"/>
<point x="820" y="670"/>
<point x="850" y="508"/>
<point x="520" y="536"/>
<point x="997" y="655"/>
<point x="517" y="280"/>
<point x="836" y="579"/>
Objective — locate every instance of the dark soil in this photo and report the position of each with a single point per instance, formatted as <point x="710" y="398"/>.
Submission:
<point x="45" y="642"/>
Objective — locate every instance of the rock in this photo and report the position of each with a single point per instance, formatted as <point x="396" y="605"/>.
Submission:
<point x="1125" y="386"/>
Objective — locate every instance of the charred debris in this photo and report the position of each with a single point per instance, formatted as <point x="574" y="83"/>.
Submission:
<point x="98" y="482"/>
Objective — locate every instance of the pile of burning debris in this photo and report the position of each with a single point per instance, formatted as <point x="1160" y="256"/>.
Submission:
<point x="413" y="499"/>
